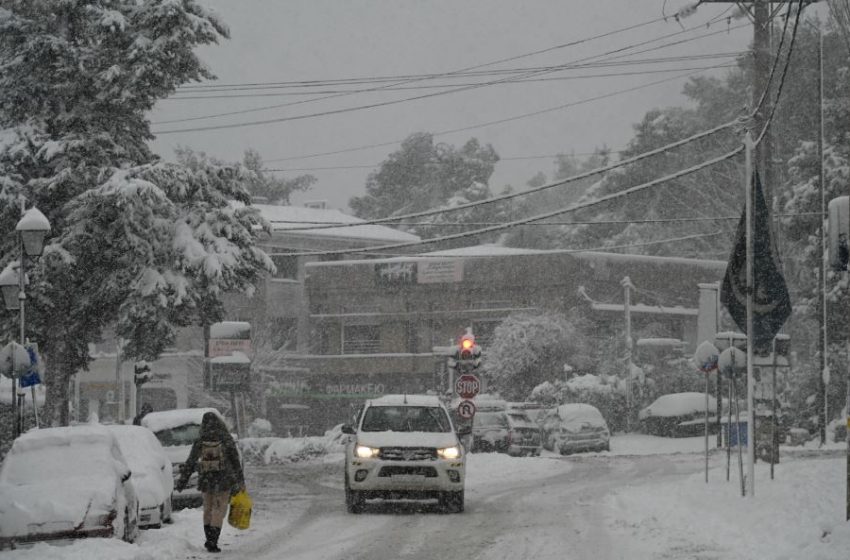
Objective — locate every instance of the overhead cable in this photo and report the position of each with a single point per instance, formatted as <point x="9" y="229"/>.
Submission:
<point x="407" y="81"/>
<point x="547" y="186"/>
<point x="537" y="218"/>
<point x="330" y="112"/>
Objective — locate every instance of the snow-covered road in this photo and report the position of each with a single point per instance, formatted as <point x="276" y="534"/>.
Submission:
<point x="634" y="505"/>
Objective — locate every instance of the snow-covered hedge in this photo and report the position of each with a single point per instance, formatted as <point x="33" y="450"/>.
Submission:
<point x="276" y="450"/>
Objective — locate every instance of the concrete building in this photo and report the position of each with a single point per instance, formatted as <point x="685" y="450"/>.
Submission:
<point x="373" y="324"/>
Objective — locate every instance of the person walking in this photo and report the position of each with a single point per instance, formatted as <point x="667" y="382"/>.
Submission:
<point x="220" y="475"/>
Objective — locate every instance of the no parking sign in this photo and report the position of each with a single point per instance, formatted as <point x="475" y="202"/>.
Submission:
<point x="466" y="409"/>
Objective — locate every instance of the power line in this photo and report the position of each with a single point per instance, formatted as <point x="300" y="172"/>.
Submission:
<point x="571" y="223"/>
<point x="547" y="186"/>
<point x="202" y="94"/>
<point x="443" y="86"/>
<point x="498" y="121"/>
<point x="506" y="158"/>
<point x="605" y="248"/>
<point x="383" y="103"/>
<point x="537" y="218"/>
<point x="572" y="43"/>
<point x="782" y="76"/>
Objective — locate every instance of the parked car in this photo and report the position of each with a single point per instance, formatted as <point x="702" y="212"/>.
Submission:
<point x="152" y="475"/>
<point x="679" y="415"/>
<point x="576" y="427"/>
<point x="405" y="447"/>
<point x="176" y="431"/>
<point x="66" y="483"/>
<point x="524" y="436"/>
<point x="490" y="431"/>
<point x="536" y="411"/>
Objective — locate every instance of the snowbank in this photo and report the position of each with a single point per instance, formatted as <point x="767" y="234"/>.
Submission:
<point x="276" y="450"/>
<point x="655" y="519"/>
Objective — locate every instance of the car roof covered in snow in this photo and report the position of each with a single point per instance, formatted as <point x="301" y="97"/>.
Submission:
<point x="409" y="400"/>
<point x="581" y="413"/>
<point x="678" y="404"/>
<point x="67" y="435"/>
<point x="168" y="419"/>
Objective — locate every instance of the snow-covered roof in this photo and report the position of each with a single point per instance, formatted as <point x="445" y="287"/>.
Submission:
<point x="234" y="358"/>
<point x="659" y="342"/>
<point x="284" y="218"/>
<point x="229" y="329"/>
<point x="168" y="419"/>
<point x="678" y="404"/>
<point x="643" y="308"/>
<point x="411" y="400"/>
<point x="484" y="250"/>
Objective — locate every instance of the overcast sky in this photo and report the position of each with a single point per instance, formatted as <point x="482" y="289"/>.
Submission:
<point x="297" y="40"/>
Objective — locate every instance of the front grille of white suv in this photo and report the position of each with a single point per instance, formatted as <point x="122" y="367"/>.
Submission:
<point x="408" y="453"/>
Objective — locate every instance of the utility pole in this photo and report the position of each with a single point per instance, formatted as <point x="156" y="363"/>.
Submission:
<point x="824" y="362"/>
<point x="627" y="285"/>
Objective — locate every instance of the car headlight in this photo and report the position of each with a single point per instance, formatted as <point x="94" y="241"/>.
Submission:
<point x="365" y="452"/>
<point x="449" y="453"/>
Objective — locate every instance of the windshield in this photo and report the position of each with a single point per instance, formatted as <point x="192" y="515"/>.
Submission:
<point x="491" y="420"/>
<point x="405" y="419"/>
<point x="181" y="435"/>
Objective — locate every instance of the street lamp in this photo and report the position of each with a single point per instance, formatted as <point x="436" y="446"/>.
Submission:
<point x="32" y="229"/>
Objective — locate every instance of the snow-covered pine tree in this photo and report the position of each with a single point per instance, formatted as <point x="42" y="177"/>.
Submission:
<point x="136" y="243"/>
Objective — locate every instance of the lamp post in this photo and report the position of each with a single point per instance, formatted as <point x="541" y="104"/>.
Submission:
<point x="32" y="228"/>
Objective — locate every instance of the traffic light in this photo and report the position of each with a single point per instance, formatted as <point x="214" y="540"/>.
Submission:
<point x="468" y="353"/>
<point x="141" y="372"/>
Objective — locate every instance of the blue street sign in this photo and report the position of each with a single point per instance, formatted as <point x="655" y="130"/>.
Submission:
<point x="31" y="377"/>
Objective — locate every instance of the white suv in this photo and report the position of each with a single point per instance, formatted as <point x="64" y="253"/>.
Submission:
<point x="405" y="447"/>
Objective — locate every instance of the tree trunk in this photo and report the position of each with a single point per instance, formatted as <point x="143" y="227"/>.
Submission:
<point x="57" y="378"/>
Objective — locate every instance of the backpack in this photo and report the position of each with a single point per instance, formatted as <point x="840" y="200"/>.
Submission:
<point x="211" y="456"/>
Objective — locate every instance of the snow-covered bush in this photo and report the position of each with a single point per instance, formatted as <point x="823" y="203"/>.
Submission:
<point x="275" y="450"/>
<point x="260" y="427"/>
<point x="530" y="348"/>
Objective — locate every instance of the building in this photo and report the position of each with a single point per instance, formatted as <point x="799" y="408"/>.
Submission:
<point x="278" y="313"/>
<point x="373" y="324"/>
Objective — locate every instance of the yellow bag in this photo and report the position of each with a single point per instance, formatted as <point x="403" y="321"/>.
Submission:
<point x="240" y="510"/>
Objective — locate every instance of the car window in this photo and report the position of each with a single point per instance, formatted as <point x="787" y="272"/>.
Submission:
<point x="491" y="420"/>
<point x="181" y="435"/>
<point x="405" y="419"/>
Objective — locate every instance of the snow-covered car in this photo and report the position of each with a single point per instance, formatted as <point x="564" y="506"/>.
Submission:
<point x="523" y="434"/>
<point x="66" y="483"/>
<point x="152" y="477"/>
<point x="405" y="447"/>
<point x="490" y="431"/>
<point x="678" y="415"/>
<point x="576" y="427"/>
<point x="176" y="431"/>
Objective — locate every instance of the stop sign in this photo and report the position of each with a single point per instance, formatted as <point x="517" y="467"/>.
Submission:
<point x="467" y="386"/>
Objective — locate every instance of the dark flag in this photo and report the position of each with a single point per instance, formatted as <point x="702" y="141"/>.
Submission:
<point x="771" y="303"/>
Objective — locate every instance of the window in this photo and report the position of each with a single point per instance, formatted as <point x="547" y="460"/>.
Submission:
<point x="361" y="339"/>
<point x="405" y="419"/>
<point x="287" y="267"/>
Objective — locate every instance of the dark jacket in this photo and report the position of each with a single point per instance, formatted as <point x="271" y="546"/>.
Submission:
<point x="224" y="474"/>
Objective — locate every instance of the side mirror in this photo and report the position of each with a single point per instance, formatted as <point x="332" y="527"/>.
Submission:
<point x="464" y="431"/>
<point x="347" y="429"/>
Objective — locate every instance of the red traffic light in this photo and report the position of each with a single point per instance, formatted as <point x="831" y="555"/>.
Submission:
<point x="467" y="343"/>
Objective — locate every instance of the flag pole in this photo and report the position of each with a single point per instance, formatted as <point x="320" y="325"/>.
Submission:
<point x="749" y="146"/>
